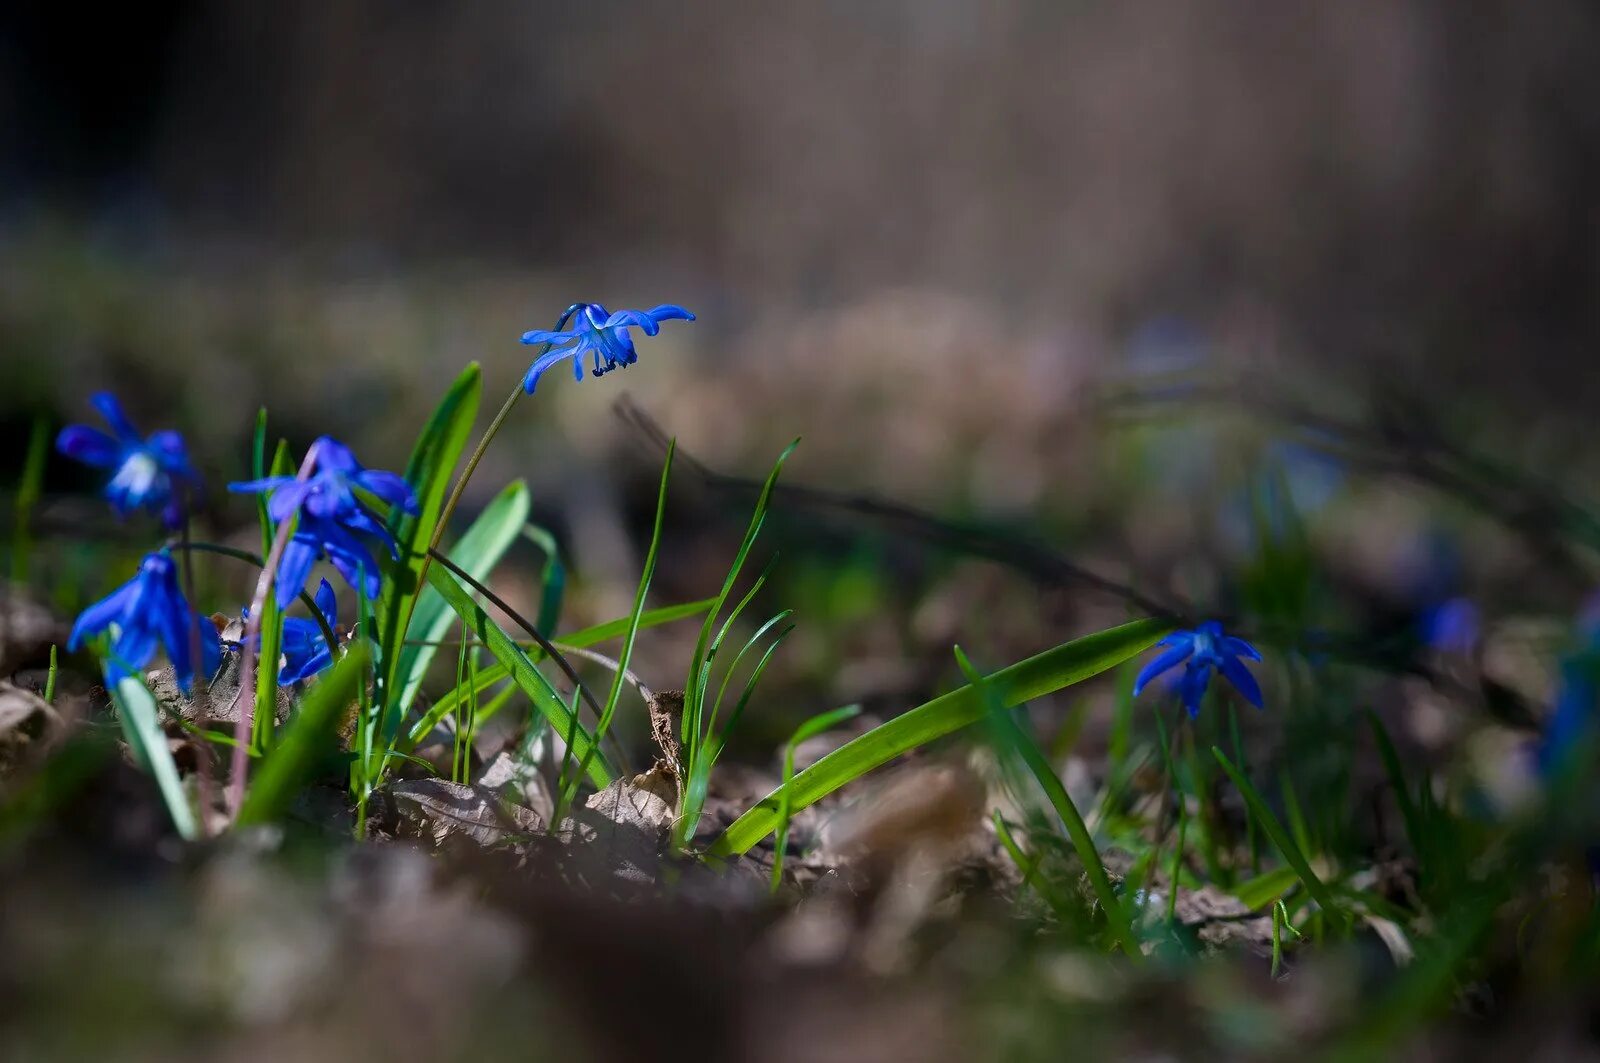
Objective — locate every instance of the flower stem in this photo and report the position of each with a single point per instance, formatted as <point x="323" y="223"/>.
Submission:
<point x="202" y="696"/>
<point x="240" y="764"/>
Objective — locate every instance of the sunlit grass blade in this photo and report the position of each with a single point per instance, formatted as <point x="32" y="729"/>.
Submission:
<point x="1049" y="671"/>
<point x="812" y="727"/>
<point x="1280" y="838"/>
<point x="141" y="726"/>
<point x="552" y="577"/>
<point x="478" y="552"/>
<point x="1014" y="741"/>
<point x="533" y="683"/>
<point x="1258" y="892"/>
<point x="625" y="655"/>
<point x="434" y="458"/>
<point x="307" y="739"/>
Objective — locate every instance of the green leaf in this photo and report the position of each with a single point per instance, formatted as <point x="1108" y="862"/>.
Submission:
<point x="1051" y="670"/>
<point x="821" y="722"/>
<point x="552" y="577"/>
<point x="307" y="739"/>
<point x="522" y="672"/>
<point x="1258" y="892"/>
<point x="141" y="726"/>
<point x="1015" y="741"/>
<point x="433" y="459"/>
<point x="1280" y="837"/>
<point x="581" y="639"/>
<point x="1397" y="780"/>
<point x="478" y="551"/>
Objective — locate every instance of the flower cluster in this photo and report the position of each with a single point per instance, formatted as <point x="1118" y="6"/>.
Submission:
<point x="147" y="611"/>
<point x="329" y="507"/>
<point x="151" y="473"/>
<point x="1207" y="648"/>
<point x="330" y="517"/>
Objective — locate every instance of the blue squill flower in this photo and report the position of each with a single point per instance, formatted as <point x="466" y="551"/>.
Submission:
<point x="330" y="514"/>
<point x="603" y="335"/>
<point x="146" y="611"/>
<point x="1206" y="648"/>
<point x="150" y="473"/>
<point x="305" y="647"/>
<point x="1452" y="626"/>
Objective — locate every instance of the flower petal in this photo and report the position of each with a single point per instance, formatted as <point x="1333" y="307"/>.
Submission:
<point x="121" y="427"/>
<point x="287" y="499"/>
<point x="1162" y="663"/>
<point x="1192" y="687"/>
<point x="294" y="567"/>
<point x="1245" y="683"/>
<point x="102" y="614"/>
<point x="327" y="604"/>
<point x="549" y="336"/>
<point x="531" y="379"/>
<point x="89" y="445"/>
<point x="1240" y="648"/>
<point x="256" y="487"/>
<point x="670" y="312"/>
<point x="391" y="487"/>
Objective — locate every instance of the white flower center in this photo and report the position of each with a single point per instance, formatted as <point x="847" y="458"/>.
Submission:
<point x="138" y="474"/>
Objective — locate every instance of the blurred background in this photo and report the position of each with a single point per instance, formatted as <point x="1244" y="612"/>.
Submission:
<point x="1099" y="277"/>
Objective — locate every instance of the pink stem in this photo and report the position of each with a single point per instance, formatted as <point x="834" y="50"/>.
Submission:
<point x="242" y="728"/>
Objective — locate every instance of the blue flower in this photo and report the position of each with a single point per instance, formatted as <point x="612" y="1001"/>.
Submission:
<point x="1452" y="626"/>
<point x="147" y="610"/>
<point x="601" y="334"/>
<point x="149" y="472"/>
<point x="305" y="647"/>
<point x="1206" y="648"/>
<point x="330" y="515"/>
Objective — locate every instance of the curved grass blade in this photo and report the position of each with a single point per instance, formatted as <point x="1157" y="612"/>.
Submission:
<point x="522" y="672"/>
<point x="1280" y="837"/>
<point x="812" y="727"/>
<point x="552" y="577"/>
<point x="428" y="471"/>
<point x="1019" y="743"/>
<point x="307" y="738"/>
<point x="1051" y="670"/>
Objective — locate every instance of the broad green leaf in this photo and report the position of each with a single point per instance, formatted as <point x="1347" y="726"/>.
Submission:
<point x="1051" y="670"/>
<point x="522" y="672"/>
<point x="309" y="736"/>
<point x="477" y="552"/>
<point x="141" y="726"/>
<point x="434" y="458"/>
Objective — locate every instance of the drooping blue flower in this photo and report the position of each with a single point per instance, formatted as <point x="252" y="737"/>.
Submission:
<point x="151" y="473"/>
<point x="1577" y="697"/>
<point x="596" y="332"/>
<point x="1452" y="626"/>
<point x="146" y="611"/>
<point x="305" y="647"/>
<point x="1207" y="648"/>
<point x="330" y="515"/>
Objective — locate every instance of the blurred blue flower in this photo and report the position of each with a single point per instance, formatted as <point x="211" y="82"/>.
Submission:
<point x="1452" y="626"/>
<point x="330" y="514"/>
<point x="147" y="610"/>
<point x="149" y="472"/>
<point x="603" y="335"/>
<point x="1576" y="698"/>
<point x="305" y="647"/>
<point x="1206" y="648"/>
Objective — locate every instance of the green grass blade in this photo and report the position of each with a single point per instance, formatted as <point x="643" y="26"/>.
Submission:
<point x="552" y="577"/>
<point x="625" y="655"/>
<point x="1397" y="780"/>
<point x="141" y="726"/>
<point x="434" y="458"/>
<point x="478" y="552"/>
<point x="1018" y="742"/>
<point x="29" y="488"/>
<point x="1051" y="670"/>
<point x="1258" y="892"/>
<point x="1280" y="837"/>
<point x="812" y="727"/>
<point x="307" y="739"/>
<point x="522" y="672"/>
